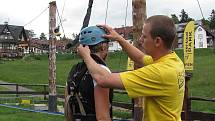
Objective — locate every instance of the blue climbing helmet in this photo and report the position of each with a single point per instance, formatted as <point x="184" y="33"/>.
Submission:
<point x="92" y="35"/>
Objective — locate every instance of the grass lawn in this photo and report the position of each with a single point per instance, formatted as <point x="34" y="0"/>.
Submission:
<point x="202" y="84"/>
<point x="11" y="114"/>
<point x="3" y="88"/>
<point x="34" y="70"/>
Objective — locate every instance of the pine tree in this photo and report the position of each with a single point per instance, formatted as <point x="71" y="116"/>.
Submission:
<point x="212" y="20"/>
<point x="205" y="23"/>
<point x="175" y="18"/>
<point x="43" y="36"/>
<point x="184" y="17"/>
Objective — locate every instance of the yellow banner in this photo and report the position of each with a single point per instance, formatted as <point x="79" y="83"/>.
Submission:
<point x="130" y="64"/>
<point x="188" y="44"/>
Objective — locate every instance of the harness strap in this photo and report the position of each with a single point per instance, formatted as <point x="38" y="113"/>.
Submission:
<point x="80" y="104"/>
<point x="68" y="112"/>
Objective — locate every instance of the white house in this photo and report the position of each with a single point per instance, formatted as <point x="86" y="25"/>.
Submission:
<point x="203" y="37"/>
<point x="126" y="32"/>
<point x="114" y="46"/>
<point x="200" y="37"/>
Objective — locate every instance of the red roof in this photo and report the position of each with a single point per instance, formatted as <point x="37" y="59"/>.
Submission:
<point x="127" y="31"/>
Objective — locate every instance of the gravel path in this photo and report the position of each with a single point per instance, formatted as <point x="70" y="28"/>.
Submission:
<point x="13" y="87"/>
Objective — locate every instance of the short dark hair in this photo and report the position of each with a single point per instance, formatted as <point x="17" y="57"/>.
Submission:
<point x="163" y="27"/>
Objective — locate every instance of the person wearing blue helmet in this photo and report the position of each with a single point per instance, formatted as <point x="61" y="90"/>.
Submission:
<point x="95" y="100"/>
<point x="92" y="35"/>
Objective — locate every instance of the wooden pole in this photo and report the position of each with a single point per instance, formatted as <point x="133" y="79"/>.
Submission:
<point x="139" y="15"/>
<point x="52" y="58"/>
<point x="187" y="101"/>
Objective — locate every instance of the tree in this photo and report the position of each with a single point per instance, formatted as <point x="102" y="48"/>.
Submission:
<point x="212" y="20"/>
<point x="175" y="18"/>
<point x="205" y="23"/>
<point x="184" y="17"/>
<point x="43" y="36"/>
<point x="74" y="35"/>
<point x="31" y="34"/>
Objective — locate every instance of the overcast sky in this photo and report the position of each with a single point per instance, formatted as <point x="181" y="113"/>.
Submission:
<point x="21" y="12"/>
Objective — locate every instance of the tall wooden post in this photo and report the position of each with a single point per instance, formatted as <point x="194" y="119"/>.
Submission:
<point x="52" y="58"/>
<point x="139" y="15"/>
<point x="187" y="101"/>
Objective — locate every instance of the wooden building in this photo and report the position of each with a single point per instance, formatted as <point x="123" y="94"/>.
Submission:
<point x="13" y="40"/>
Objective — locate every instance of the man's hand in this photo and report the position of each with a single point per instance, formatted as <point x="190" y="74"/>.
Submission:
<point x="112" y="34"/>
<point x="83" y="51"/>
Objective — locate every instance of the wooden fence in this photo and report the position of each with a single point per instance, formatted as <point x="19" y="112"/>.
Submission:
<point x="44" y="92"/>
<point x="187" y="115"/>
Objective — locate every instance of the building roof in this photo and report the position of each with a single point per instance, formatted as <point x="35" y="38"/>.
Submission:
<point x="38" y="42"/>
<point x="127" y="31"/>
<point x="16" y="31"/>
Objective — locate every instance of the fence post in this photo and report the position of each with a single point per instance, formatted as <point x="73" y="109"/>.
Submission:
<point x="187" y="101"/>
<point x="17" y="86"/>
<point x="44" y="92"/>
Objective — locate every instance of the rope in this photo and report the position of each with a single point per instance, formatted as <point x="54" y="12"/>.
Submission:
<point x="60" y="21"/>
<point x="85" y="24"/>
<point x="126" y="13"/>
<point x="106" y="11"/>
<point x="63" y="9"/>
<point x="88" y="14"/>
<point x="125" y="24"/>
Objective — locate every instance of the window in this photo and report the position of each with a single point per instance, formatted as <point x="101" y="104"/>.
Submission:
<point x="200" y="29"/>
<point x="201" y="44"/>
<point x="200" y="36"/>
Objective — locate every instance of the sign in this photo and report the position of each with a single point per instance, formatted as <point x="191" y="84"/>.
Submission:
<point x="25" y="102"/>
<point x="130" y="64"/>
<point x="188" y="43"/>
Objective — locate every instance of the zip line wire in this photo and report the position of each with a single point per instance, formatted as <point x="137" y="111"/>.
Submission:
<point x="63" y="8"/>
<point x="200" y="9"/>
<point x="125" y="21"/>
<point x="33" y="18"/>
<point x="36" y="16"/>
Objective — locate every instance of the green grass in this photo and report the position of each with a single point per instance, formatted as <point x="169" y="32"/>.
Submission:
<point x="34" y="70"/>
<point x="10" y="114"/>
<point x="3" y="88"/>
<point x="121" y="98"/>
<point x="202" y="84"/>
<point x="122" y="114"/>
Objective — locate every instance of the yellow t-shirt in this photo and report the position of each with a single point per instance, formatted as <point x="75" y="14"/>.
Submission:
<point x="162" y="84"/>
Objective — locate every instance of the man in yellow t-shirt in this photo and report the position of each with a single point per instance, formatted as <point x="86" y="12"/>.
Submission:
<point x="161" y="83"/>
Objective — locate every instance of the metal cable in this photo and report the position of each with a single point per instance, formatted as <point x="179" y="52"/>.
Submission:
<point x="200" y="9"/>
<point x="36" y="17"/>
